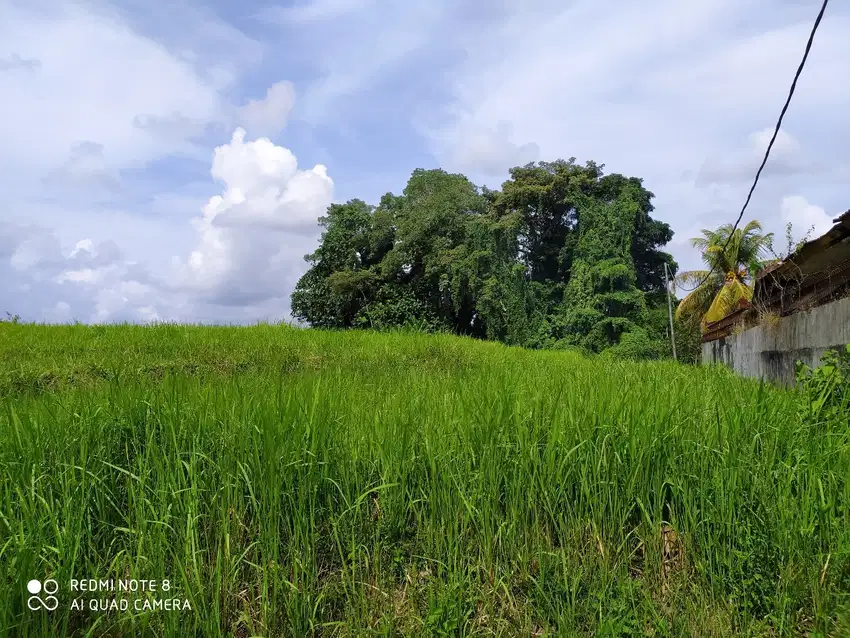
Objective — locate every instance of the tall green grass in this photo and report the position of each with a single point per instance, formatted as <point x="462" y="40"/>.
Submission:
<point x="298" y="483"/>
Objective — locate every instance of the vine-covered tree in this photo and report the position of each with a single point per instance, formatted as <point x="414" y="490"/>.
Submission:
<point x="562" y="255"/>
<point x="602" y="301"/>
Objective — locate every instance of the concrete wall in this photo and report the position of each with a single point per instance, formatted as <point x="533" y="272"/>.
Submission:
<point x="771" y="352"/>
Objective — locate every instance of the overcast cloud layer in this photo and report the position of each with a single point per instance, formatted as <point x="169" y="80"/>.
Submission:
<point x="171" y="163"/>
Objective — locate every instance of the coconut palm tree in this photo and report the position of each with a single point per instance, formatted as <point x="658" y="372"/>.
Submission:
<point x="732" y="270"/>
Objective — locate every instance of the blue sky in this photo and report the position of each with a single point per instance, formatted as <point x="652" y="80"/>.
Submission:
<point x="169" y="160"/>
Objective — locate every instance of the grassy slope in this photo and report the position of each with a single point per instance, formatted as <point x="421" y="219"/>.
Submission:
<point x="295" y="482"/>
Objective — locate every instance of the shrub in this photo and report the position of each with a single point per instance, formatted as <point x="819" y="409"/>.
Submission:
<point x="635" y="345"/>
<point x="826" y="389"/>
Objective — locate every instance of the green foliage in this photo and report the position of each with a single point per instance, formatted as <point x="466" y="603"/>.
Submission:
<point x="333" y="291"/>
<point x="562" y="253"/>
<point x="602" y="301"/>
<point x="396" y="307"/>
<point x="688" y="339"/>
<point x="636" y="345"/>
<point x="826" y="389"/>
<point x="792" y="246"/>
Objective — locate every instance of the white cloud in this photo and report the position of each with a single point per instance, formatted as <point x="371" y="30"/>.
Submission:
<point x="84" y="276"/>
<point x="803" y="216"/>
<point x="174" y="126"/>
<point x="96" y="75"/>
<point x="93" y="282"/>
<point x="786" y="159"/>
<point x="84" y="246"/>
<point x="251" y="242"/>
<point x="784" y="146"/>
<point x="268" y="116"/>
<point x="265" y="188"/>
<point x="90" y="263"/>
<point x="31" y="248"/>
<point x="124" y="299"/>
<point x="253" y="236"/>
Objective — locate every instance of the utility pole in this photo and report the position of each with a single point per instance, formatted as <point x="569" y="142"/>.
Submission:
<point x="670" y="310"/>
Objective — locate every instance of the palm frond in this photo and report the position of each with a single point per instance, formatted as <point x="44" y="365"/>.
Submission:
<point x="727" y="300"/>
<point x="691" y="277"/>
<point x="696" y="303"/>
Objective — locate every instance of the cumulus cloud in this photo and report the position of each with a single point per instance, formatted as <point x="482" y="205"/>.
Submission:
<point x="251" y="240"/>
<point x="265" y="189"/>
<point x="802" y="215"/>
<point x="253" y="236"/>
<point x="92" y="282"/>
<point x="117" y="94"/>
<point x="268" y="116"/>
<point x="90" y="264"/>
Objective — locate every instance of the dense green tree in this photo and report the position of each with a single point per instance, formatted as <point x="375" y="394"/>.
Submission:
<point x="546" y="197"/>
<point x="602" y="301"/>
<point x="433" y="254"/>
<point x="562" y="256"/>
<point x="416" y="258"/>
<point x="543" y="197"/>
<point x="341" y="277"/>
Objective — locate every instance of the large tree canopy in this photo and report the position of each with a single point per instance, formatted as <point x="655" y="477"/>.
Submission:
<point x="562" y="256"/>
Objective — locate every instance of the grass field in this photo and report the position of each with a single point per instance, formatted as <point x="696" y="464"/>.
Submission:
<point x="298" y="483"/>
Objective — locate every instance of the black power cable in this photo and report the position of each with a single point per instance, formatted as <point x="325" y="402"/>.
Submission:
<point x="772" y="139"/>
